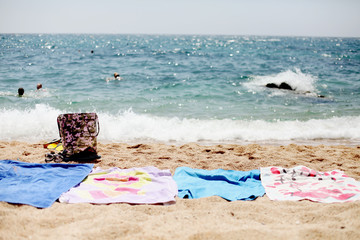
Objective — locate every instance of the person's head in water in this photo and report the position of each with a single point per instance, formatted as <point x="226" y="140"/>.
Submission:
<point x="39" y="86"/>
<point x="116" y="75"/>
<point x="21" y="91"/>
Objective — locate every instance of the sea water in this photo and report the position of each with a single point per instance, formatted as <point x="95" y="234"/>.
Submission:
<point x="182" y="88"/>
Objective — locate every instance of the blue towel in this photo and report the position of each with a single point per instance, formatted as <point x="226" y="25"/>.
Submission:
<point x="39" y="185"/>
<point x="228" y="184"/>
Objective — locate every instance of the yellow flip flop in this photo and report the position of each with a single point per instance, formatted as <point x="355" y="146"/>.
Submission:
<point x="54" y="145"/>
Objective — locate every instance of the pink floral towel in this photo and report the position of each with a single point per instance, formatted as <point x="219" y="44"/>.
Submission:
<point x="300" y="183"/>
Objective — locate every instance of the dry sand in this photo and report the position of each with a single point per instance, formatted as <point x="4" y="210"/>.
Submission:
<point x="207" y="218"/>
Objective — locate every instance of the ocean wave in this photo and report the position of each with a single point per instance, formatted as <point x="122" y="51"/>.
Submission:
<point x="40" y="124"/>
<point x="130" y="126"/>
<point x="34" y="124"/>
<point x="301" y="82"/>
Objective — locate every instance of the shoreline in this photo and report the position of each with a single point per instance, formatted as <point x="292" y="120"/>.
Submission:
<point x="205" y="218"/>
<point x="271" y="142"/>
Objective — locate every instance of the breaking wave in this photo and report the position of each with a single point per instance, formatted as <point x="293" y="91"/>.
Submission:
<point x="39" y="124"/>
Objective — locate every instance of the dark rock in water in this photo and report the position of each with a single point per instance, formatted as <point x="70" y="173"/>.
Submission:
<point x="283" y="85"/>
<point x="286" y="86"/>
<point x="272" y="85"/>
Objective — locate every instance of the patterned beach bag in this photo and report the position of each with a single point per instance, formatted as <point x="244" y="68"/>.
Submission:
<point x="78" y="133"/>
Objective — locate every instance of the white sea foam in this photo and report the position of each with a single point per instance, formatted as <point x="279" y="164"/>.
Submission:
<point x="7" y="93"/>
<point x="40" y="124"/>
<point x="34" y="94"/>
<point x="130" y="127"/>
<point x="301" y="82"/>
<point x="29" y="125"/>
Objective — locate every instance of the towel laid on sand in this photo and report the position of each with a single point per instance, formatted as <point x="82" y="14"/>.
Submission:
<point x="300" y="183"/>
<point x="147" y="185"/>
<point x="228" y="184"/>
<point x="39" y="185"/>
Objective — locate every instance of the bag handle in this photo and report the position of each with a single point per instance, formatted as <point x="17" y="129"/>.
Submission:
<point x="97" y="126"/>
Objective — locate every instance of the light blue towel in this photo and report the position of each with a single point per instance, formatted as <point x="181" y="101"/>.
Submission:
<point x="39" y="185"/>
<point x="228" y="184"/>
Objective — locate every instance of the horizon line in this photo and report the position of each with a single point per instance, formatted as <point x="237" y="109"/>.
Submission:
<point x="177" y="34"/>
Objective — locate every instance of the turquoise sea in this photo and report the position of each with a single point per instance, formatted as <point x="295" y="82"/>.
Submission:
<point x="183" y="88"/>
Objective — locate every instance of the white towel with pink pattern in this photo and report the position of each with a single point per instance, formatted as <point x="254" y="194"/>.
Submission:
<point x="301" y="183"/>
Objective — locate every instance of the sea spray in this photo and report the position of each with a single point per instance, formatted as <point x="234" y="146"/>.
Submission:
<point x="29" y="124"/>
<point x="40" y="124"/>
<point x="299" y="81"/>
<point x="131" y="127"/>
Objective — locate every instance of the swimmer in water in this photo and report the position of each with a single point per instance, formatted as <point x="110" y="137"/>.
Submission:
<point x="116" y="77"/>
<point x="39" y="86"/>
<point x="21" y="92"/>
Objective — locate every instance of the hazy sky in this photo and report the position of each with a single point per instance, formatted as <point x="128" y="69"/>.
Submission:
<point x="234" y="17"/>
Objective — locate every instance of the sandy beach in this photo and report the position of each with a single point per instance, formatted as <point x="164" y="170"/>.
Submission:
<point x="207" y="218"/>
